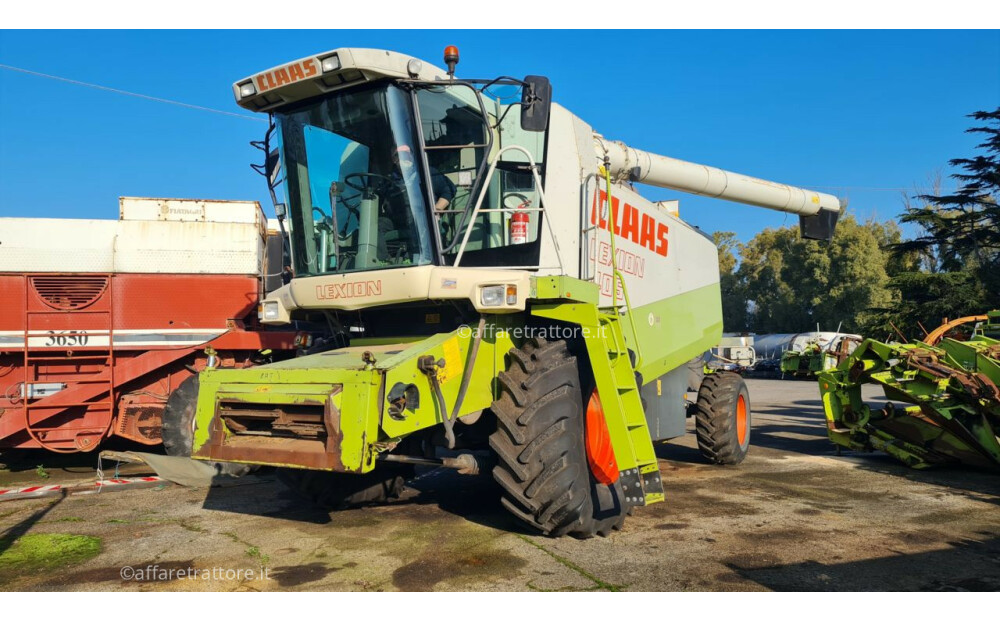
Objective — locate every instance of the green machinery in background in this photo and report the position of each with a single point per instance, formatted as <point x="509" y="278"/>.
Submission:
<point x="805" y="363"/>
<point x="944" y="398"/>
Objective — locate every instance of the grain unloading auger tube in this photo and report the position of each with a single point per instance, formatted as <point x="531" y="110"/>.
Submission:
<point x="818" y="212"/>
<point x="482" y="281"/>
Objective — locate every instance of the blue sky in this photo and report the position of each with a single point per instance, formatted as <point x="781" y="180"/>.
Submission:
<point x="867" y="109"/>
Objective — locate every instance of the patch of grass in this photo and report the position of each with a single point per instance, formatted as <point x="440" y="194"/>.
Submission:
<point x="66" y="520"/>
<point x="191" y="527"/>
<point x="255" y="553"/>
<point x="41" y="472"/>
<point x="38" y="552"/>
<point x="117" y="521"/>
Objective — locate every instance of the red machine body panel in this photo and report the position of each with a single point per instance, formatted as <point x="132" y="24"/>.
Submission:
<point x="89" y="355"/>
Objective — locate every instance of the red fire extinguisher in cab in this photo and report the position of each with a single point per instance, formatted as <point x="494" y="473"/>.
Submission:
<point x="519" y="224"/>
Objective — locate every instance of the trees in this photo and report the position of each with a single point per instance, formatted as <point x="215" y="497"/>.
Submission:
<point x="734" y="300"/>
<point x="959" y="242"/>
<point x="792" y="283"/>
<point x="868" y="277"/>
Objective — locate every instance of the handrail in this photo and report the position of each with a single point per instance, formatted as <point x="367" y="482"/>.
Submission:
<point x="616" y="275"/>
<point x="479" y="202"/>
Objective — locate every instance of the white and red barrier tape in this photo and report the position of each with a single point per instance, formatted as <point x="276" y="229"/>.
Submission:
<point x="95" y="485"/>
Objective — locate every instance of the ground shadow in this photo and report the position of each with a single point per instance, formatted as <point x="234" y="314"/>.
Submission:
<point x="807" y="434"/>
<point x="9" y="536"/>
<point x="473" y="498"/>
<point x="262" y="495"/>
<point x="965" y="565"/>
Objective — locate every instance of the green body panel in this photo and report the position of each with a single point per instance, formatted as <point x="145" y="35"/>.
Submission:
<point x="675" y="330"/>
<point x="954" y="415"/>
<point x="564" y="287"/>
<point x="670" y="332"/>
<point x="352" y="385"/>
<point x="343" y="379"/>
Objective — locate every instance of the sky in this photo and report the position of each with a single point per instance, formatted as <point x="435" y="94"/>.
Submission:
<point x="865" y="115"/>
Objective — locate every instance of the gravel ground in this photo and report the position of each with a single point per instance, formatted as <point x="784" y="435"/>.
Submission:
<point x="793" y="516"/>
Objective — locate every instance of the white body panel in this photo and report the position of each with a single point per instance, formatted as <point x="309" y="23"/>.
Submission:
<point x="658" y="255"/>
<point x="226" y="238"/>
<point x="41" y="245"/>
<point x="187" y="210"/>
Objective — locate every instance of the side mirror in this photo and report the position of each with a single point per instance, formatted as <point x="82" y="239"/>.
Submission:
<point x="272" y="167"/>
<point x="279" y="210"/>
<point x="536" y="100"/>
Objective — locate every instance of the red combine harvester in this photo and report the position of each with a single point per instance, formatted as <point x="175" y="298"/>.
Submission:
<point x="101" y="319"/>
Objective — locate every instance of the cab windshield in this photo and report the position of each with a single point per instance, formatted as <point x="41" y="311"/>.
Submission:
<point x="355" y="198"/>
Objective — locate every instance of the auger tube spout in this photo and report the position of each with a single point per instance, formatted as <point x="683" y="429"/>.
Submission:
<point x="818" y="211"/>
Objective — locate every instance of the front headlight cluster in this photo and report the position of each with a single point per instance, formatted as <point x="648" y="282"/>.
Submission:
<point x="268" y="311"/>
<point x="497" y="295"/>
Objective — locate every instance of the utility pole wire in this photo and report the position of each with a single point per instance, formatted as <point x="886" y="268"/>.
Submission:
<point x="261" y="120"/>
<point x="131" y="94"/>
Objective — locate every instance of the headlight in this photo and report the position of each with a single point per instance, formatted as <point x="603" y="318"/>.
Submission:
<point x="492" y="295"/>
<point x="330" y="63"/>
<point x="270" y="310"/>
<point x="247" y="90"/>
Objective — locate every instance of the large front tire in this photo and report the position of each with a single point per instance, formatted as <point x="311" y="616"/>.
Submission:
<point x="722" y="421"/>
<point x="542" y="464"/>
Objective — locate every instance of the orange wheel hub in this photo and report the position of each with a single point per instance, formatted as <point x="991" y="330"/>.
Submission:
<point x="741" y="420"/>
<point x="600" y="453"/>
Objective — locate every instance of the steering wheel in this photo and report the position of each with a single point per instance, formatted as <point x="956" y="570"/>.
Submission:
<point x="323" y="217"/>
<point x="365" y="181"/>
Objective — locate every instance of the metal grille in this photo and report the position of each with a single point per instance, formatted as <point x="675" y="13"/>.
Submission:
<point x="69" y="292"/>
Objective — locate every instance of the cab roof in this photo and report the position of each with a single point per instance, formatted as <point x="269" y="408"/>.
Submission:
<point x="326" y="72"/>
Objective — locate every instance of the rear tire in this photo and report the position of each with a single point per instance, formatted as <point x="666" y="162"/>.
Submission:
<point x="542" y="464"/>
<point x="338" y="491"/>
<point x="178" y="427"/>
<point x="722" y="420"/>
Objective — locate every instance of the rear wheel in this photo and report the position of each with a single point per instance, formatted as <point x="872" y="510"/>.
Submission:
<point x="722" y="420"/>
<point x="338" y="491"/>
<point x="542" y="463"/>
<point x="178" y="427"/>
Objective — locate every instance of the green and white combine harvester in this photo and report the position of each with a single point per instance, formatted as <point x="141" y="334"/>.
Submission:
<point x="948" y="389"/>
<point x="483" y="307"/>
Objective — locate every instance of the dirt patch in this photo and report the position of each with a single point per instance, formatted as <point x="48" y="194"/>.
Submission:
<point x="423" y="574"/>
<point x="921" y="537"/>
<point x="673" y="526"/>
<point x="289" y="576"/>
<point x="690" y="501"/>
<point x="160" y="572"/>
<point x="748" y="561"/>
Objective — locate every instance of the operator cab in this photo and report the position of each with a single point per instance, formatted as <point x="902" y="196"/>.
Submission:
<point x="384" y="172"/>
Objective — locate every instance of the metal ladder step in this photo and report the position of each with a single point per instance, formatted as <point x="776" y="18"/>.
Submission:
<point x="638" y="466"/>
